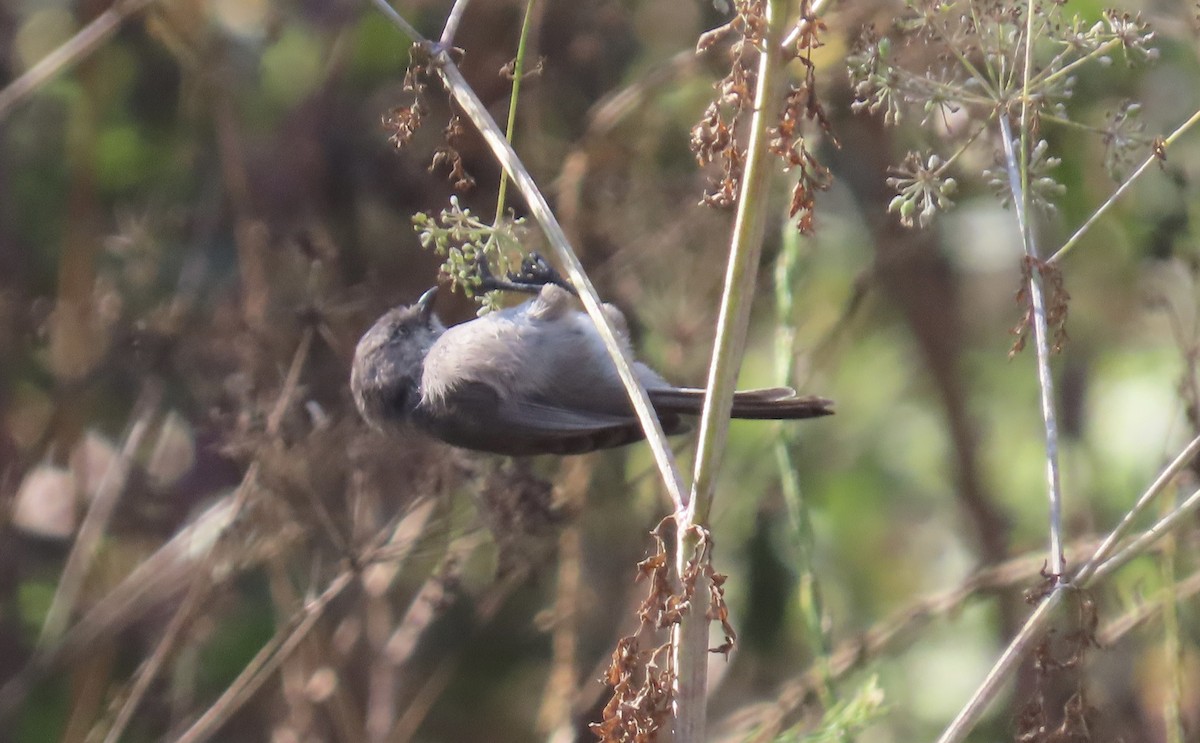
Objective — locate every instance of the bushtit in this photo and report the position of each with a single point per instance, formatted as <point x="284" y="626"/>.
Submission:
<point x="531" y="379"/>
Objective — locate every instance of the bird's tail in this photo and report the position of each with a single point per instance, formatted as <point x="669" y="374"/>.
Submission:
<point x="772" y="403"/>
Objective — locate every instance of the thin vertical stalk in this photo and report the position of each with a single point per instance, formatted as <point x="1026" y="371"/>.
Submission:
<point x="690" y="636"/>
<point x="1016" y="173"/>
<point x="510" y="126"/>
<point x="745" y="249"/>
<point x="809" y="593"/>
<point x="1169" y="601"/>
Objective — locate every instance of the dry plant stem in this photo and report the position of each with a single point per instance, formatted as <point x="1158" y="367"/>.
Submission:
<point x="1124" y="187"/>
<point x="87" y="541"/>
<point x="815" y="9"/>
<point x="1094" y="570"/>
<point x="430" y="602"/>
<point x="892" y="634"/>
<point x="1171" y="648"/>
<point x="186" y="558"/>
<point x="1017" y="173"/>
<point x="450" y="30"/>
<point x="431" y="690"/>
<point x="561" y="687"/>
<point x="1036" y="624"/>
<point x="381" y="674"/>
<point x="149" y="670"/>
<point x="152" y="583"/>
<point x="1139" y="545"/>
<point x="285" y="642"/>
<point x="264" y="663"/>
<point x="540" y="208"/>
<point x="1122" y="625"/>
<point x="485" y="610"/>
<point x="1029" y="636"/>
<point x="84" y="42"/>
<point x="377" y="580"/>
<point x="1160" y="483"/>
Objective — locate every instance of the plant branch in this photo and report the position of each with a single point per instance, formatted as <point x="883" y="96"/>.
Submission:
<point x="87" y="40"/>
<point x="87" y="541"/>
<point x="450" y="30"/>
<point x="260" y="668"/>
<point x="690" y="636"/>
<point x="1159" y="485"/>
<point x="1139" y="545"/>
<point x="1155" y="157"/>
<point x="1085" y="578"/>
<point x="1016" y="175"/>
<point x="518" y="73"/>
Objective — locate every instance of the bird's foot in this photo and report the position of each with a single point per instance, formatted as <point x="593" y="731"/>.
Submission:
<point x="535" y="273"/>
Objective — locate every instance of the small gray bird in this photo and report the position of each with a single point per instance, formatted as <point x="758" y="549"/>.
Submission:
<point x="531" y="379"/>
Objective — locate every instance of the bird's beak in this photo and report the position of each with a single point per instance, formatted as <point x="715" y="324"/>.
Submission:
<point x="425" y="305"/>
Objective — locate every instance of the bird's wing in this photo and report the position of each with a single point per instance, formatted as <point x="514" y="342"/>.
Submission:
<point x="474" y="416"/>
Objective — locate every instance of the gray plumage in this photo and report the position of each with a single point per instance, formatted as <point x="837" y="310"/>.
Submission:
<point x="531" y="379"/>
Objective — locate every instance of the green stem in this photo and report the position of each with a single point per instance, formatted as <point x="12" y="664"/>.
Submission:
<point x="811" y="607"/>
<point x="690" y="637"/>
<point x="745" y="250"/>
<point x="511" y="125"/>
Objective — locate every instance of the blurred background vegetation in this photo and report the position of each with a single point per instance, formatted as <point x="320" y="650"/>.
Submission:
<point x="201" y="216"/>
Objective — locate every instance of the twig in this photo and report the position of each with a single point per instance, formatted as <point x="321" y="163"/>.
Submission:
<point x="450" y="30"/>
<point x="283" y="643"/>
<point x="1087" y="576"/>
<point x="430" y="602"/>
<point x="1160" y="483"/>
<point x="1145" y="539"/>
<point x="561" y="685"/>
<point x="485" y="610"/>
<point x="149" y="670"/>
<point x="890" y="635"/>
<point x="1168" y="602"/>
<point x="1124" y="187"/>
<point x="87" y="40"/>
<point x="103" y="503"/>
<point x="378" y="578"/>
<point x="1016" y="174"/>
<point x="815" y="9"/>
<point x="1113" y="631"/>
<point x="264" y="663"/>
<point x="171" y="569"/>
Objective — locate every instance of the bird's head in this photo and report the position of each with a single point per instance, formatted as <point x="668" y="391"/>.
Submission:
<point x="389" y="359"/>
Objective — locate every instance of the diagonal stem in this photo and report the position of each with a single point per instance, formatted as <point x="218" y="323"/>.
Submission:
<point x="1096" y="568"/>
